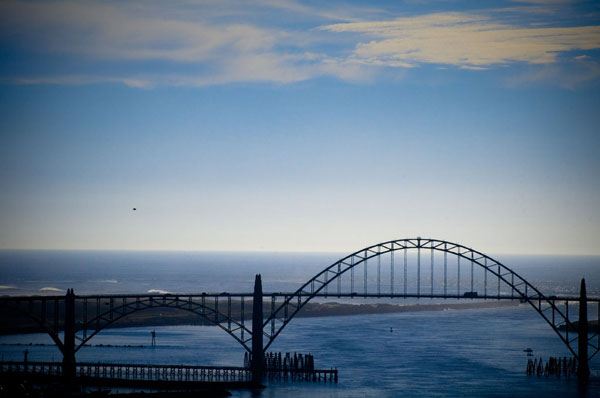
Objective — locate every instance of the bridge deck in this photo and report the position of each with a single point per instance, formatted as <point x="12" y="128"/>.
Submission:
<point x="292" y="294"/>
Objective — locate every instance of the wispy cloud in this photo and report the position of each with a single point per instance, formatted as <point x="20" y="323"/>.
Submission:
<point x="78" y="80"/>
<point x="569" y="75"/>
<point x="105" y="30"/>
<point x="218" y="42"/>
<point x="462" y="39"/>
<point x="552" y="2"/>
<point x="203" y="46"/>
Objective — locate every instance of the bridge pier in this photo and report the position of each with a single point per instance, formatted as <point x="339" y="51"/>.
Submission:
<point x="583" y="370"/>
<point x="69" y="336"/>
<point x="257" y="361"/>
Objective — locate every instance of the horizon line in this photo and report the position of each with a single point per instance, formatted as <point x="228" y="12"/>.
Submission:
<point x="556" y="254"/>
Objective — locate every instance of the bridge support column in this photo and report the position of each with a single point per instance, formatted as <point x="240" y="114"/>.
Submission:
<point x="258" y="355"/>
<point x="583" y="370"/>
<point x="69" y="336"/>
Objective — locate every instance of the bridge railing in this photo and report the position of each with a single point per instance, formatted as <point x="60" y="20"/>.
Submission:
<point x="148" y="372"/>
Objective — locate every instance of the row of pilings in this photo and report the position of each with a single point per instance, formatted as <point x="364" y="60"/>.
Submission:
<point x="277" y="361"/>
<point x="552" y="367"/>
<point x="297" y="366"/>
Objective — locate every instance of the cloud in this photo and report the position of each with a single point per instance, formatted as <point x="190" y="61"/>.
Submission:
<point x="551" y="2"/>
<point x="343" y="12"/>
<point x="146" y="44"/>
<point x="78" y="80"/>
<point x="105" y="30"/>
<point x="569" y="75"/>
<point x="462" y="39"/>
<point x="197" y="48"/>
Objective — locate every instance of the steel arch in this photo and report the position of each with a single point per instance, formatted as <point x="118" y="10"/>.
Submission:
<point x="104" y="319"/>
<point x="206" y="312"/>
<point x="510" y="278"/>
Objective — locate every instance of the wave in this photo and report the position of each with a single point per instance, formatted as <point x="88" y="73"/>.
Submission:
<point x="8" y="287"/>
<point x="51" y="289"/>
<point x="157" y="291"/>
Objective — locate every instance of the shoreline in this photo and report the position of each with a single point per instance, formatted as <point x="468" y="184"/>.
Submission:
<point x="164" y="317"/>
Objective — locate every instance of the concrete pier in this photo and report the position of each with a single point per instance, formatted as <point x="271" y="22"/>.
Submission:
<point x="257" y="360"/>
<point x="583" y="371"/>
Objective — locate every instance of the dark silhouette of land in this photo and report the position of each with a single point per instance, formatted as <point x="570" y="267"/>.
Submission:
<point x="17" y="323"/>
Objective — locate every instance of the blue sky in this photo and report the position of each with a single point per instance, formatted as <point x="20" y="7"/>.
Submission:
<point x="299" y="126"/>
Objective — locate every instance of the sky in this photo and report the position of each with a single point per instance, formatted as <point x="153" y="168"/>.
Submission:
<point x="284" y="125"/>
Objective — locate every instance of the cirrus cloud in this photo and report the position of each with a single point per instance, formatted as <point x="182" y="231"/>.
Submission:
<point x="462" y="39"/>
<point x="143" y="44"/>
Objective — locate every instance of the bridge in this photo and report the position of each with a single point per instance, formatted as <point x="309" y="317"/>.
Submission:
<point x="404" y="268"/>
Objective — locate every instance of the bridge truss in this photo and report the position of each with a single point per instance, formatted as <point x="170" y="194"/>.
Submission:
<point x="405" y="268"/>
<point x="429" y="268"/>
<point x="94" y="313"/>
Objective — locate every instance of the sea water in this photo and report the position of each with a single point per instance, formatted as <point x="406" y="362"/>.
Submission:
<point x="26" y="272"/>
<point x="427" y="354"/>
<point x="422" y="354"/>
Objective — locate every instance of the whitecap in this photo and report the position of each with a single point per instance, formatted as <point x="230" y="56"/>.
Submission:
<point x="158" y="291"/>
<point x="110" y="281"/>
<point x="7" y="287"/>
<point x="50" y="289"/>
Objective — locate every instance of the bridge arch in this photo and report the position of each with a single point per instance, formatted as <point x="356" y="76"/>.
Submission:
<point x="508" y="285"/>
<point x="225" y="321"/>
<point x="506" y="278"/>
<point x="53" y="323"/>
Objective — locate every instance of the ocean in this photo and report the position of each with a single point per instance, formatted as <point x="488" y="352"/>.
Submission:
<point x="476" y="352"/>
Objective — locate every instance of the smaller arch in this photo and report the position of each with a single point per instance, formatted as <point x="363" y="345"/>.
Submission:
<point x="106" y="318"/>
<point x="175" y="302"/>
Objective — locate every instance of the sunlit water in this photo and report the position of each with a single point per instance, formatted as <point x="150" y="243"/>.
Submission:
<point x="475" y="353"/>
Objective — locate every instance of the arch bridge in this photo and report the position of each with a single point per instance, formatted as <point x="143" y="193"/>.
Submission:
<point x="403" y="268"/>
